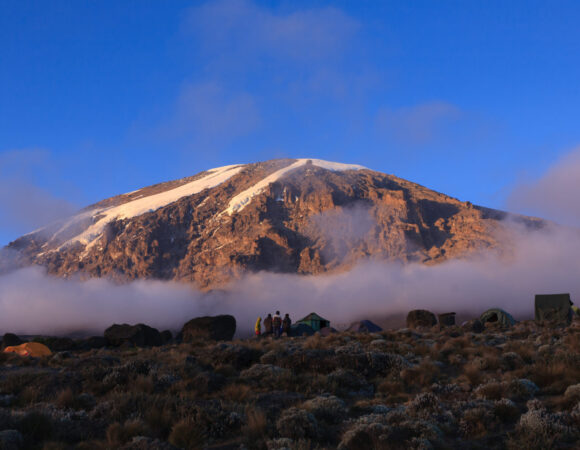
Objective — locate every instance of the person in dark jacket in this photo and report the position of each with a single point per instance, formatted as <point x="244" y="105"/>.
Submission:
<point x="286" y="324"/>
<point x="277" y="324"/>
<point x="268" y="324"/>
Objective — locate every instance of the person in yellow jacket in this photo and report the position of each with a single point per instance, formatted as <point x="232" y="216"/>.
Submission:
<point x="258" y="327"/>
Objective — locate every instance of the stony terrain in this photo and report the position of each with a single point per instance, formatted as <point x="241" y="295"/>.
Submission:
<point x="400" y="389"/>
<point x="315" y="218"/>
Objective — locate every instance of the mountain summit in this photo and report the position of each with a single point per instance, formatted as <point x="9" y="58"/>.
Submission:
<point x="303" y="216"/>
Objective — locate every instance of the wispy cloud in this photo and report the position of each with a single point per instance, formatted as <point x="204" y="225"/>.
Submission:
<point x="240" y="29"/>
<point x="24" y="204"/>
<point x="207" y="113"/>
<point x="419" y="124"/>
<point x="555" y="194"/>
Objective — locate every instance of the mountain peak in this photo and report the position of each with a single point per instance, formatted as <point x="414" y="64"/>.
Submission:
<point x="291" y="215"/>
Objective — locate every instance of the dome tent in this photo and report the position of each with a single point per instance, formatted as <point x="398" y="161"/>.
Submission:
<point x="314" y="321"/>
<point x="29" y="349"/>
<point x="497" y="315"/>
<point x="364" y="326"/>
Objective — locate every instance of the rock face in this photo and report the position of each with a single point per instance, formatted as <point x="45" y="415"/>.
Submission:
<point x="218" y="328"/>
<point x="421" y="318"/>
<point x="139" y="335"/>
<point x="293" y="216"/>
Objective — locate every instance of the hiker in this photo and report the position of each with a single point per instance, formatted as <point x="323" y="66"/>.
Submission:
<point x="258" y="327"/>
<point x="286" y="323"/>
<point x="277" y="324"/>
<point x="268" y="324"/>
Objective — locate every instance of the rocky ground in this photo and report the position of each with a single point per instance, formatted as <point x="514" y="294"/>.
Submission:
<point x="400" y="389"/>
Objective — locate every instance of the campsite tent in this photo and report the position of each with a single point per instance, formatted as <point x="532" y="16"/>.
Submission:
<point x="314" y="321"/>
<point x="29" y="349"/>
<point x="497" y="315"/>
<point x="553" y="308"/>
<point x="364" y="326"/>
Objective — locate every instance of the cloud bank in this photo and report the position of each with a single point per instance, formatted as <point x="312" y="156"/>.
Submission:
<point x="555" y="194"/>
<point x="541" y="262"/>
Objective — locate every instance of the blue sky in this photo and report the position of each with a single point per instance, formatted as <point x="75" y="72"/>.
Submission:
<point x="479" y="100"/>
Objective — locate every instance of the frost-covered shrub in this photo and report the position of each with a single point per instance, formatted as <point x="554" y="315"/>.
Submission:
<point x="388" y="432"/>
<point x="297" y="423"/>
<point x="424" y="406"/>
<point x="349" y="382"/>
<point x="264" y="372"/>
<point x="493" y="390"/>
<point x="328" y="408"/>
<point x="573" y="392"/>
<point x="506" y="410"/>
<point x="539" y="429"/>
<point x="511" y="361"/>
<point x="476" y="420"/>
<point x="522" y="389"/>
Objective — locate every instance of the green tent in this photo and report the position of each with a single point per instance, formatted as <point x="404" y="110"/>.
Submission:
<point x="497" y="315"/>
<point x="553" y="308"/>
<point x="314" y="321"/>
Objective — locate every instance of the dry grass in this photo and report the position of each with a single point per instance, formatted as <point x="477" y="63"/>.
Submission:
<point x="171" y="393"/>
<point x="119" y="434"/>
<point x="256" y="424"/>
<point x="422" y="376"/>
<point x="236" y="392"/>
<point x="473" y="374"/>
<point x="185" y="434"/>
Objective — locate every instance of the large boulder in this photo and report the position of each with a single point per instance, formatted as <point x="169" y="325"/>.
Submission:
<point x="139" y="335"/>
<point x="217" y="328"/>
<point x="11" y="340"/>
<point x="421" y="318"/>
<point x="364" y="326"/>
<point x="446" y="319"/>
<point x="91" y="343"/>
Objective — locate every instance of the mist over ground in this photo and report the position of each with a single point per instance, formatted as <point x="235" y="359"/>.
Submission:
<point x="542" y="261"/>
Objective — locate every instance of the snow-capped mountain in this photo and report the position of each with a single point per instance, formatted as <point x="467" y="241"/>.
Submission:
<point x="289" y="215"/>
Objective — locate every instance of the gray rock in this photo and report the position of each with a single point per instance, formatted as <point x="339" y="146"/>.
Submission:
<point x="139" y="335"/>
<point x="217" y="328"/>
<point x="11" y="440"/>
<point x="421" y="318"/>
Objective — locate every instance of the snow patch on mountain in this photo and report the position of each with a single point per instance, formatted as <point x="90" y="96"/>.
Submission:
<point x="240" y="201"/>
<point x="142" y="205"/>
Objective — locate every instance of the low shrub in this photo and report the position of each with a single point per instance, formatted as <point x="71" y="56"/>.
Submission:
<point x="185" y="434"/>
<point x="297" y="423"/>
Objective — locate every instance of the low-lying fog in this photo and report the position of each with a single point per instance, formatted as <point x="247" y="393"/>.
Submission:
<point x="545" y="261"/>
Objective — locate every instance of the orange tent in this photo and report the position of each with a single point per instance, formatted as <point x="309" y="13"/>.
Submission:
<point x="29" y="349"/>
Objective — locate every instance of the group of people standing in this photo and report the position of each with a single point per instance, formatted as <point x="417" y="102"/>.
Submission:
<point x="274" y="325"/>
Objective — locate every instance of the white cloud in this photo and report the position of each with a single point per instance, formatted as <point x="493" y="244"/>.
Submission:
<point x="419" y="124"/>
<point x="243" y="29"/>
<point x="24" y="204"/>
<point x="554" y="195"/>
<point x="208" y="113"/>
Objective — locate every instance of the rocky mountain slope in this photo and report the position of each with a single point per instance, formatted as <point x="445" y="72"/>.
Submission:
<point x="302" y="216"/>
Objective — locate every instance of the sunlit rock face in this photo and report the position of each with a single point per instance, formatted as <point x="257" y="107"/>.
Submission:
<point x="304" y="216"/>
